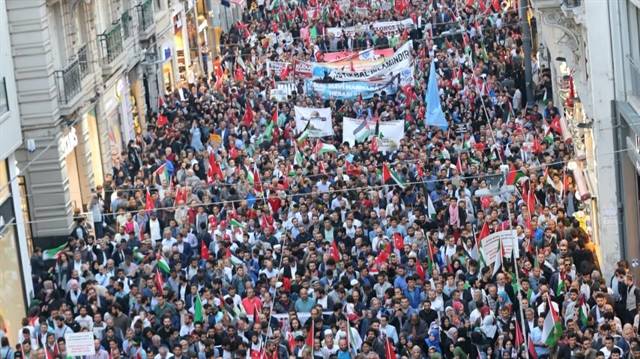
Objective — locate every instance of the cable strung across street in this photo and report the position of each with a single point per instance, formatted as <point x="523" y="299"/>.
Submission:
<point x="347" y="181"/>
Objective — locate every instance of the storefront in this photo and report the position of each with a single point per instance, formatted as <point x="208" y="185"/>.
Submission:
<point x="90" y="127"/>
<point x="67" y="145"/>
<point x="204" y="43"/>
<point x="14" y="282"/>
<point x="182" y="58"/>
<point x="629" y="135"/>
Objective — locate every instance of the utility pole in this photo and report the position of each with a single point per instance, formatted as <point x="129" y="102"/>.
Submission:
<point x="526" y="43"/>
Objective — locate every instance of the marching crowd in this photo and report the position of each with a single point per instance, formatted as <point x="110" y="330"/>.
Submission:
<point x="224" y="231"/>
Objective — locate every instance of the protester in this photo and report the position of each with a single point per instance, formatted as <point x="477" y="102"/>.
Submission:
<point x="226" y="231"/>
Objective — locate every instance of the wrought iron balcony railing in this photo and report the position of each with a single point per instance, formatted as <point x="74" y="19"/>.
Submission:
<point x="69" y="82"/>
<point x="111" y="43"/>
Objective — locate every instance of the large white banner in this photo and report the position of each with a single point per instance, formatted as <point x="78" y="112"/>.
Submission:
<point x="401" y="63"/>
<point x="391" y="132"/>
<point x="387" y="27"/>
<point x="489" y="245"/>
<point x="319" y="120"/>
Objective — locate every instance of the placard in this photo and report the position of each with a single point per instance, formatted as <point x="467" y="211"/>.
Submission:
<point x="79" y="344"/>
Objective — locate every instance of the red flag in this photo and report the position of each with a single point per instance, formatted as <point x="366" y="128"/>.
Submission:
<point x="256" y="315"/>
<point x="239" y="75"/>
<point x="247" y="118"/>
<point x="257" y="182"/>
<point x="555" y="125"/>
<point x="311" y="335"/>
<point x="321" y="167"/>
<point x="291" y="341"/>
<point x="204" y="251"/>
<point x="335" y="251"/>
<point x="420" y="170"/>
<point x="159" y="281"/>
<point x="398" y="241"/>
<point x="383" y="256"/>
<point x="459" y="165"/>
<point x="483" y="233"/>
<point x="496" y="5"/>
<point x="389" y="350"/>
<point x="162" y="120"/>
<point x="532" y="349"/>
<point x="531" y="200"/>
<point x="519" y="339"/>
<point x="274" y="117"/>
<point x="565" y="181"/>
<point x="285" y="72"/>
<point x="214" y="168"/>
<point x="537" y="146"/>
<point x="181" y="195"/>
<point x="482" y="6"/>
<point x="374" y="144"/>
<point x="148" y="203"/>
<point x="419" y="269"/>
<point x="386" y="173"/>
<point x="286" y="283"/>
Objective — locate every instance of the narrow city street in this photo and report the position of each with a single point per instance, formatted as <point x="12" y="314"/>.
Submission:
<point x="318" y="179"/>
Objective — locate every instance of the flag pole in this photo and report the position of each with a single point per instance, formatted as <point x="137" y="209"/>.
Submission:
<point x="519" y="293"/>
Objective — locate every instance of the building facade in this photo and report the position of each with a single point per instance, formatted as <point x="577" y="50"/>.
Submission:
<point x="15" y="271"/>
<point x="592" y="49"/>
<point x="85" y="87"/>
<point x="89" y="74"/>
<point x="625" y="40"/>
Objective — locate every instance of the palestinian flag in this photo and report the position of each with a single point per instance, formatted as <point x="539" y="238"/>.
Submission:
<point x="302" y="136"/>
<point x="552" y="329"/>
<point x="53" y="253"/>
<point x="514" y="176"/>
<point x="235" y="223"/>
<point x="431" y="209"/>
<point x="298" y="160"/>
<point x="388" y="173"/>
<point x="137" y="256"/>
<point x="561" y="288"/>
<point x="164" y="172"/>
<point x="198" y="313"/>
<point x="163" y="265"/>
<point x="249" y="175"/>
<point x="322" y="147"/>
<point x="583" y="313"/>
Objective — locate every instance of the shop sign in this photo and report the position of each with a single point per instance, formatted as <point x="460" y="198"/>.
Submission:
<point x="68" y="142"/>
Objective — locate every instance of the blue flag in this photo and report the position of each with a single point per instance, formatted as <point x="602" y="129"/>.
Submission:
<point x="434" y="115"/>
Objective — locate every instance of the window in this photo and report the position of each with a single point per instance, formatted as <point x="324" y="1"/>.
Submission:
<point x="4" y="100"/>
<point x="5" y="188"/>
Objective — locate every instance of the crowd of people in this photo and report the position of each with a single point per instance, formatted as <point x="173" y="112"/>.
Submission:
<point x="222" y="231"/>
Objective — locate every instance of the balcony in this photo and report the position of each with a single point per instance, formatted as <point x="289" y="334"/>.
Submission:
<point x="145" y="19"/>
<point x="127" y="24"/>
<point x="69" y="82"/>
<point x="4" y="99"/>
<point x="111" y="48"/>
<point x="83" y="62"/>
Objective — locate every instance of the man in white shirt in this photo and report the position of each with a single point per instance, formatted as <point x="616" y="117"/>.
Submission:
<point x="167" y="240"/>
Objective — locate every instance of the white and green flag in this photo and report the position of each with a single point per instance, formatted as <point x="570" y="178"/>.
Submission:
<point x="53" y="253"/>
